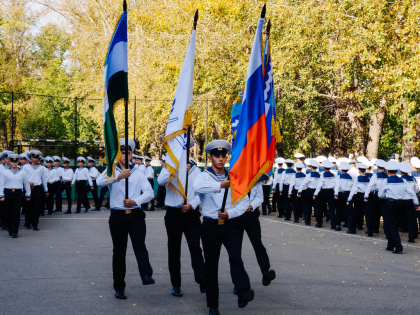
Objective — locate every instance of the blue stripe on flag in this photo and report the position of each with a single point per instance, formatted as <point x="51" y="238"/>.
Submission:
<point x="120" y="34"/>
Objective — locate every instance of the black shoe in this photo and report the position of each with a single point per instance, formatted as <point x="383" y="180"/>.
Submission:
<point x="14" y="235"/>
<point x="96" y="209"/>
<point x="264" y="213"/>
<point x="214" y="311"/>
<point x="150" y="209"/>
<point x="307" y="224"/>
<point x="268" y="276"/>
<point x="351" y="232"/>
<point x="67" y="212"/>
<point x="359" y="227"/>
<point x="318" y="225"/>
<point x="57" y="211"/>
<point x="35" y="228"/>
<point x="338" y="228"/>
<point x="345" y="225"/>
<point x="120" y="295"/>
<point x="296" y="221"/>
<point x="203" y="287"/>
<point x="366" y="232"/>
<point x="147" y="280"/>
<point x="411" y="241"/>
<point x="389" y="248"/>
<point x="398" y="251"/>
<point x="234" y="291"/>
<point x="78" y="211"/>
<point x="28" y="225"/>
<point x="245" y="298"/>
<point x="333" y="227"/>
<point x="279" y="216"/>
<point x="177" y="292"/>
<point x="86" y="210"/>
<point x="285" y="219"/>
<point x="370" y="234"/>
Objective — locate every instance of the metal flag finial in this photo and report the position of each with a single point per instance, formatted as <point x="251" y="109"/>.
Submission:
<point x="195" y="18"/>
<point x="263" y="11"/>
<point x="125" y="6"/>
<point x="267" y="31"/>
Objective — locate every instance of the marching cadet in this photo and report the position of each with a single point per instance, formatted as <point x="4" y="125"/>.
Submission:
<point x="321" y="160"/>
<point x="150" y="175"/>
<point x="142" y="166"/>
<point x="161" y="193"/>
<point x="294" y="187"/>
<point x="44" y="197"/>
<point x="301" y="158"/>
<point x="334" y="168"/>
<point x="12" y="182"/>
<point x="53" y="183"/>
<point x="128" y="219"/>
<point x="395" y="189"/>
<point x="408" y="207"/>
<point x="285" y="181"/>
<point x="94" y="173"/>
<point x="4" y="165"/>
<point x="371" y="195"/>
<point x="307" y="190"/>
<point x="23" y="161"/>
<point x="38" y="183"/>
<point x="58" y="170"/>
<point x="266" y="185"/>
<point x="276" y="187"/>
<point x="82" y="176"/>
<point x="353" y="172"/>
<point x="249" y="222"/>
<point x="67" y="175"/>
<point x="183" y="218"/>
<point x="357" y="195"/>
<point x="324" y="194"/>
<point x="343" y="185"/>
<point x="308" y="166"/>
<point x="210" y="186"/>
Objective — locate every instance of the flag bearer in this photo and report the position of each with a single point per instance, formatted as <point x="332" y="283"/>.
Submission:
<point x="307" y="190"/>
<point x="210" y="186"/>
<point x="53" y="184"/>
<point x="395" y="189"/>
<point x="67" y="175"/>
<point x="324" y="194"/>
<point x="285" y="181"/>
<point x="93" y="172"/>
<point x="82" y="176"/>
<point x="128" y="219"/>
<point x="276" y="187"/>
<point x="12" y="182"/>
<point x="294" y="187"/>
<point x="343" y="185"/>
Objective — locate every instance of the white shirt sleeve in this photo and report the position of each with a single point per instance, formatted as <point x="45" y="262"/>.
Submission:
<point x="203" y="186"/>
<point x="258" y="198"/>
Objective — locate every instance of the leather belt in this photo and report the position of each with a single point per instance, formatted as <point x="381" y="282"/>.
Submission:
<point x="127" y="211"/>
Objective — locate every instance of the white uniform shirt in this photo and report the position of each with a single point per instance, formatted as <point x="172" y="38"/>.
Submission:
<point x="82" y="174"/>
<point x="36" y="175"/>
<point x="269" y="181"/>
<point x="59" y="171"/>
<point x="256" y="196"/>
<point x="137" y="184"/>
<point x="353" y="172"/>
<point x="94" y="173"/>
<point x="277" y="177"/>
<point x="150" y="173"/>
<point x="412" y="184"/>
<point x="207" y="186"/>
<point x="310" y="182"/>
<point x="286" y="177"/>
<point x="343" y="183"/>
<point x="67" y="175"/>
<point x="375" y="183"/>
<point x="327" y="181"/>
<point x="174" y="200"/>
<point x="359" y="186"/>
<point x="14" y="180"/>
<point x="142" y="168"/>
<point x="53" y="176"/>
<point x="396" y="188"/>
<point x="297" y="182"/>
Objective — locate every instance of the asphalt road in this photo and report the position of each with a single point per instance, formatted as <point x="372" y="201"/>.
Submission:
<point x="65" y="268"/>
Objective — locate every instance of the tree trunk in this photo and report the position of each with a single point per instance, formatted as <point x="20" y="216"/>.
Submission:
<point x="408" y="141"/>
<point x="375" y="130"/>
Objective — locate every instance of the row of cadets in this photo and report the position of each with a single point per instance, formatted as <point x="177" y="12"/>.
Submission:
<point x="183" y="219"/>
<point x="307" y="190"/>
<point x="94" y="173"/>
<point x="82" y="176"/>
<point x="395" y="190"/>
<point x="210" y="186"/>
<point x="150" y="175"/>
<point x="324" y="195"/>
<point x="66" y="176"/>
<point x="276" y="187"/>
<point x="285" y="181"/>
<point x="13" y="183"/>
<point x="295" y="186"/>
<point x="342" y="189"/>
<point x="53" y="183"/>
<point x="38" y="183"/>
<point x="127" y="219"/>
<point x="161" y="193"/>
<point x="4" y="165"/>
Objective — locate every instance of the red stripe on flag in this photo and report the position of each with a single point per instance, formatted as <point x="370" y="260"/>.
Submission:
<point x="252" y="158"/>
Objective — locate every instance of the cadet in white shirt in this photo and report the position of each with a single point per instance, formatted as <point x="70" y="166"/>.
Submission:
<point x="58" y="171"/>
<point x="67" y="175"/>
<point x="210" y="186"/>
<point x="343" y="185"/>
<point x="297" y="181"/>
<point x="395" y="189"/>
<point x="127" y="218"/>
<point x="4" y="165"/>
<point x="38" y="183"/>
<point x="23" y="161"/>
<point x="276" y="187"/>
<point x="266" y="185"/>
<point x="285" y="182"/>
<point x="53" y="184"/>
<point x="324" y="194"/>
<point x="140" y="164"/>
<point x="307" y="190"/>
<point x="408" y="211"/>
<point x="43" y="196"/>
<point x="161" y="193"/>
<point x="150" y="175"/>
<point x="94" y="173"/>
<point x="82" y="176"/>
<point x="12" y="183"/>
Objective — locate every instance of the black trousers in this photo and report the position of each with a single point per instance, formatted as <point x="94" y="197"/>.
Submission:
<point x="190" y="227"/>
<point x="274" y="202"/>
<point x="3" y="215"/>
<point x="390" y="209"/>
<point x="145" y="205"/>
<point x="297" y="205"/>
<point x="13" y="203"/>
<point x="287" y="203"/>
<point x="34" y="205"/>
<point x="341" y="207"/>
<point x="324" y="198"/>
<point x="279" y="201"/>
<point x="375" y="203"/>
<point x="94" y="194"/>
<point x="368" y="211"/>
<point x="266" y="202"/>
<point x="161" y="195"/>
<point x="82" y="195"/>
<point x="52" y="190"/>
<point x="354" y="212"/>
<point x="411" y="215"/>
<point x="64" y="186"/>
<point x="250" y="223"/>
<point x="307" y="196"/>
<point x="121" y="225"/>
<point x="102" y="194"/>
<point x="213" y="237"/>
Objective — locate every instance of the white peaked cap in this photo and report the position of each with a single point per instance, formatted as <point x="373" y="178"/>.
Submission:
<point x="380" y="163"/>
<point x="299" y="155"/>
<point x="344" y="166"/>
<point x="314" y="163"/>
<point x="392" y="166"/>
<point x="327" y="164"/>
<point x="405" y="167"/>
<point x="131" y="143"/>
<point x="279" y="160"/>
<point x="415" y="161"/>
<point x="362" y="165"/>
<point x="332" y="159"/>
<point x="321" y="158"/>
<point x="299" y="165"/>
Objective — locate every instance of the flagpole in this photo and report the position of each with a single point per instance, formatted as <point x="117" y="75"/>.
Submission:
<point x="189" y="128"/>
<point x="127" y="166"/>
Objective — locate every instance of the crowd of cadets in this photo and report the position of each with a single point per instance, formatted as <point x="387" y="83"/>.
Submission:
<point x="350" y="194"/>
<point x="29" y="183"/>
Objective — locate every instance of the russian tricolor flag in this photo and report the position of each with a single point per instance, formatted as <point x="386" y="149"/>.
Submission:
<point x="249" y="160"/>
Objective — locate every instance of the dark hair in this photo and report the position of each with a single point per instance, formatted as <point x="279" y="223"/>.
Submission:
<point x="289" y="164"/>
<point x="326" y="168"/>
<point x="404" y="173"/>
<point x="363" y="170"/>
<point x="392" y="172"/>
<point x="299" y="168"/>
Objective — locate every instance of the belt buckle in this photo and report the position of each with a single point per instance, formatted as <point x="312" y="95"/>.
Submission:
<point x="127" y="211"/>
<point x="13" y="190"/>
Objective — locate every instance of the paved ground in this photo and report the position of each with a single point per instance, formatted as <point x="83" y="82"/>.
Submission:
<point x="65" y="268"/>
